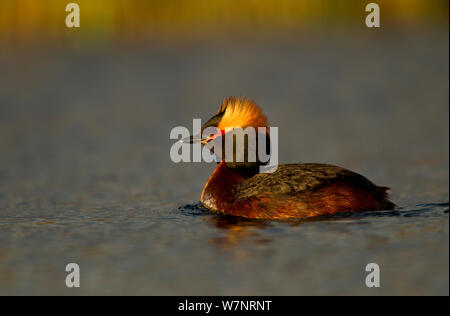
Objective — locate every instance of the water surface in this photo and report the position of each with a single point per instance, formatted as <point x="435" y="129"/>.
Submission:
<point x="85" y="174"/>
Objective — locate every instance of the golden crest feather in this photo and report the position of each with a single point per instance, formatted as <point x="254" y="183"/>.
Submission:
<point x="241" y="112"/>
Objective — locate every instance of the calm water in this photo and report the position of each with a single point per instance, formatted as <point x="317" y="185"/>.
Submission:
<point x="85" y="174"/>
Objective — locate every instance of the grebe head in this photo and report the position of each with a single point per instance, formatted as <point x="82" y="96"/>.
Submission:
<point x="235" y="113"/>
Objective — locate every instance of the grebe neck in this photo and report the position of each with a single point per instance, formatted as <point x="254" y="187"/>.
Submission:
<point x="218" y="190"/>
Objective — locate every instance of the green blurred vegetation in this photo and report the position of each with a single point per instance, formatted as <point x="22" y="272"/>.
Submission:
<point x="25" y="20"/>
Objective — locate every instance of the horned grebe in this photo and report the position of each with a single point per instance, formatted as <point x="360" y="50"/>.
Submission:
<point x="293" y="190"/>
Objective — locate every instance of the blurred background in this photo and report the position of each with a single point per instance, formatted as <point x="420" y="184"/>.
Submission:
<point x="112" y="21"/>
<point x="85" y="117"/>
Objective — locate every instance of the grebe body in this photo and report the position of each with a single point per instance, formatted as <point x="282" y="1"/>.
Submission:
<point x="292" y="191"/>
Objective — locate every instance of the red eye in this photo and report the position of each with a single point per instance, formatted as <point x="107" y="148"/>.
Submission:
<point x="220" y="133"/>
<point x="212" y="136"/>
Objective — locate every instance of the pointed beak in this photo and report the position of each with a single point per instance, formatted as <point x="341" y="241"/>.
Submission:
<point x="194" y="139"/>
